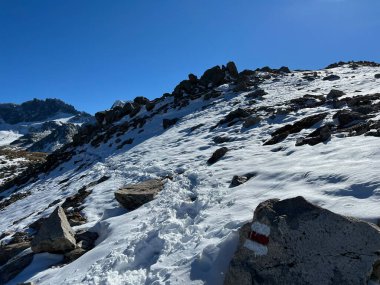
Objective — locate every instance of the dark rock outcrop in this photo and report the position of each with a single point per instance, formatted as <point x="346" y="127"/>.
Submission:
<point x="214" y="76"/>
<point x="320" y="135"/>
<point x="55" y="234"/>
<point x="135" y="195"/>
<point x="167" y="123"/>
<point x="35" y="110"/>
<point x="334" y="94"/>
<point x="217" y="155"/>
<point x="295" y="242"/>
<point x="282" y="133"/>
<point x="347" y="117"/>
<point x="15" y="265"/>
<point x="331" y="77"/>
<point x="241" y="179"/>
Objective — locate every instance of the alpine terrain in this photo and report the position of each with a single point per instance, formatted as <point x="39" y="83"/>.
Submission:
<point x="266" y="176"/>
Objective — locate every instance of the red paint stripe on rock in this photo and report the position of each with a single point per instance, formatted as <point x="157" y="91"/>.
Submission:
<point x="259" y="238"/>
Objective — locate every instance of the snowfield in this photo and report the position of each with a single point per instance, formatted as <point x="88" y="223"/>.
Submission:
<point x="187" y="235"/>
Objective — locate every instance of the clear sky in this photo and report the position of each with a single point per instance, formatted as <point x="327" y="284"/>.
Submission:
<point x="90" y="53"/>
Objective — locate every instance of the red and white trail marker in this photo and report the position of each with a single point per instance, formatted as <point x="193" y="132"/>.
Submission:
<point x="258" y="239"/>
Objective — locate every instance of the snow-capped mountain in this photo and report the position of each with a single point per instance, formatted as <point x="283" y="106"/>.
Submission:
<point x="221" y="144"/>
<point x="39" y="125"/>
<point x="33" y="128"/>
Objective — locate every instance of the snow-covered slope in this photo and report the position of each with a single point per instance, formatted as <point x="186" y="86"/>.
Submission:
<point x="188" y="233"/>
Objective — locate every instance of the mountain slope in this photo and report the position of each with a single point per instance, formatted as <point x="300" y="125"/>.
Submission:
<point x="187" y="234"/>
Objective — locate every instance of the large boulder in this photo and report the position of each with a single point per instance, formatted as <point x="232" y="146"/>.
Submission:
<point x="135" y="195"/>
<point x="232" y="70"/>
<point x="295" y="242"/>
<point x="55" y="234"/>
<point x="214" y="76"/>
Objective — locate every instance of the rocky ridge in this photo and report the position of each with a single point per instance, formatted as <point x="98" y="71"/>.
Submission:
<point x="243" y="106"/>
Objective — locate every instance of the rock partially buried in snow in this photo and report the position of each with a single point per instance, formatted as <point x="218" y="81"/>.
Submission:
<point x="135" y="195"/>
<point x="15" y="265"/>
<point x="55" y="234"/>
<point x="295" y="242"/>
<point x="217" y="155"/>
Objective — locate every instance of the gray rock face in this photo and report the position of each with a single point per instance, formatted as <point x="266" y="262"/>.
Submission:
<point x="295" y="242"/>
<point x="55" y="234"/>
<point x="14" y="266"/>
<point x="135" y="195"/>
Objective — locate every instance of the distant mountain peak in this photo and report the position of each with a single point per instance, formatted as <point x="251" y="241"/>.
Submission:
<point x="35" y="110"/>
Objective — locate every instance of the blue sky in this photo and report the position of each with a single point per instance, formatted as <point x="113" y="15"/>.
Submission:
<point x="90" y="53"/>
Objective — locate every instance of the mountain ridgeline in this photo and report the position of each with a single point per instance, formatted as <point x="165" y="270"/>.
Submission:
<point x="162" y="191"/>
<point x="35" y="110"/>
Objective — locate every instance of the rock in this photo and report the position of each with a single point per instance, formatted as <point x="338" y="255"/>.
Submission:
<point x="14" y="266"/>
<point x="295" y="242"/>
<point x="321" y="134"/>
<point x="258" y="93"/>
<point x="141" y="100"/>
<point x="237" y="114"/>
<point x="135" y="195"/>
<point x="331" y="77"/>
<point x="55" y="234"/>
<point x="284" y="69"/>
<point x="282" y="133"/>
<point x="238" y="180"/>
<point x="9" y="251"/>
<point x="335" y="94"/>
<point x="213" y="76"/>
<point x="222" y="139"/>
<point x="86" y="239"/>
<point x="251" y="121"/>
<point x="167" y="123"/>
<point x="100" y="116"/>
<point x="149" y="106"/>
<point x="193" y="79"/>
<point x="277" y="138"/>
<point x="217" y="155"/>
<point x="73" y="255"/>
<point x="347" y="117"/>
<point x="232" y="70"/>
<point x="377" y="76"/>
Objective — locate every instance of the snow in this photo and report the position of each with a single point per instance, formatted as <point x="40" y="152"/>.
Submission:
<point x="7" y="137"/>
<point x="188" y="233"/>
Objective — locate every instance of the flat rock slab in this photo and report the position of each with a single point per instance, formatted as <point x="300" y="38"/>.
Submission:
<point x="295" y="242"/>
<point x="55" y="234"/>
<point x="135" y="195"/>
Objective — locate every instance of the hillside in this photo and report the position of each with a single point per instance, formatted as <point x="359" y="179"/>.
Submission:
<point x="283" y="133"/>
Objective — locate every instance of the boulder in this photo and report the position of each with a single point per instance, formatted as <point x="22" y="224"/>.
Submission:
<point x="141" y="100"/>
<point x="9" y="251"/>
<point x="167" y="123"/>
<point x="232" y="70"/>
<point x="217" y="155"/>
<point x="15" y="265"/>
<point x="348" y="117"/>
<point x="135" y="195"/>
<point x="214" y="76"/>
<point x="241" y="179"/>
<point x="334" y="94"/>
<point x="331" y="77"/>
<point x="237" y="114"/>
<point x="55" y="234"/>
<point x="251" y="121"/>
<point x="377" y="76"/>
<point x="258" y="93"/>
<point x="295" y="242"/>
<point x="193" y="78"/>
<point x="321" y="134"/>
